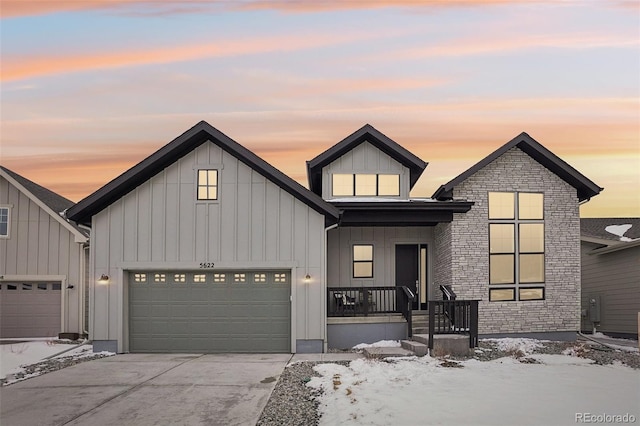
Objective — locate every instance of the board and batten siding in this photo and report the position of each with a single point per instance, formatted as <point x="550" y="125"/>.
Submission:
<point x="365" y="158"/>
<point x="384" y="239"/>
<point x="615" y="277"/>
<point x="40" y="248"/>
<point x="254" y="224"/>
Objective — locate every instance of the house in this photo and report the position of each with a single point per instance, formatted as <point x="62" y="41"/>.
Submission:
<point x="43" y="262"/>
<point x="610" y="249"/>
<point x="205" y="247"/>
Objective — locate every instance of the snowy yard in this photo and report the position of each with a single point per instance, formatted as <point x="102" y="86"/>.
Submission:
<point x="23" y="360"/>
<point x="537" y="389"/>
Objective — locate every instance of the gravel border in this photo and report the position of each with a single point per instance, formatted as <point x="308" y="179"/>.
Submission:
<point x="294" y="403"/>
<point x="52" y="364"/>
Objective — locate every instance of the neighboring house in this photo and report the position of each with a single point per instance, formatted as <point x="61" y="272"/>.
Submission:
<point x="610" y="250"/>
<point x="43" y="262"/>
<point x="205" y="247"/>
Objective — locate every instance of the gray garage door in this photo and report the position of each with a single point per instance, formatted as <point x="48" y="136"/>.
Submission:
<point x="206" y="312"/>
<point x="30" y="309"/>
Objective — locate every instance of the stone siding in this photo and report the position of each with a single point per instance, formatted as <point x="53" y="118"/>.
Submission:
<point x="469" y="254"/>
<point x="442" y="259"/>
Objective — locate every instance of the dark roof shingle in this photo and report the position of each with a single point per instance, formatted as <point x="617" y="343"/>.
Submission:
<point x="595" y="227"/>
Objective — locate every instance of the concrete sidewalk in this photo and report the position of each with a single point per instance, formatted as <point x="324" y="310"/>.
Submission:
<point x="147" y="389"/>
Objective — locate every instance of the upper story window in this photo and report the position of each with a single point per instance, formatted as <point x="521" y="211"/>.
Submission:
<point x="4" y="222"/>
<point x="207" y="184"/>
<point x="516" y="246"/>
<point x="365" y="185"/>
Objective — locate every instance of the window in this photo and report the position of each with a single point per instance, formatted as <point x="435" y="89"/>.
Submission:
<point x="159" y="278"/>
<point x="259" y="278"/>
<point x="199" y="278"/>
<point x="342" y="185"/>
<point x="179" y="278"/>
<point x="280" y="278"/>
<point x="389" y="185"/>
<point x="140" y="278"/>
<point x="219" y="278"/>
<point x="4" y="222"/>
<point x="42" y="286"/>
<point x="207" y="184"/>
<point x="365" y="185"/>
<point x="516" y="246"/>
<point x="362" y="261"/>
<point x="239" y="278"/>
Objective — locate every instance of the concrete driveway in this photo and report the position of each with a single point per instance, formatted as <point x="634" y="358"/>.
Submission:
<point x="147" y="389"/>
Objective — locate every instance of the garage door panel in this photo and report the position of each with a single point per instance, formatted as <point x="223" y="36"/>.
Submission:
<point x="211" y="312"/>
<point x="30" y="309"/>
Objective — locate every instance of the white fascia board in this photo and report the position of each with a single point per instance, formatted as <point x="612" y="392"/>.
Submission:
<point x="79" y="237"/>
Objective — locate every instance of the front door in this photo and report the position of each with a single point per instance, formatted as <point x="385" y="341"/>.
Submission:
<point x="411" y="271"/>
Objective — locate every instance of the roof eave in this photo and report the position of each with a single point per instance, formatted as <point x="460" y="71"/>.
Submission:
<point x="180" y="146"/>
<point x="584" y="186"/>
<point x="78" y="236"/>
<point x="387" y="145"/>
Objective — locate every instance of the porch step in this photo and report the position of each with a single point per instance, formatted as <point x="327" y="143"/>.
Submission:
<point x="420" y="349"/>
<point x="379" y="353"/>
<point x="421" y="338"/>
<point x="445" y="344"/>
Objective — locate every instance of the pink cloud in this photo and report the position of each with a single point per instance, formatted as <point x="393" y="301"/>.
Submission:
<point x="18" y="68"/>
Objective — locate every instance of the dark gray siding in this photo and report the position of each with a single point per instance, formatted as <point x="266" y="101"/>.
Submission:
<point x="615" y="277"/>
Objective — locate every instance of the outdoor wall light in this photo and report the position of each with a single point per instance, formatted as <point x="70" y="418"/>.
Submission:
<point x="307" y="278"/>
<point x="104" y="279"/>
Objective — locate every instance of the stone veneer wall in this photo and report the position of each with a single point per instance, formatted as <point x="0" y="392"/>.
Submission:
<point x="442" y="259"/>
<point x="468" y="260"/>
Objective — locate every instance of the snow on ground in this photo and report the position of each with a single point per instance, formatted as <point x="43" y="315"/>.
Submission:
<point x="412" y="391"/>
<point x="379" y="344"/>
<point x="514" y="345"/>
<point x="628" y="345"/>
<point x="16" y="357"/>
<point x="13" y="355"/>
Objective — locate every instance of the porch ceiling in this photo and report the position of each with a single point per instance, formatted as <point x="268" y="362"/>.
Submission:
<point x="358" y="213"/>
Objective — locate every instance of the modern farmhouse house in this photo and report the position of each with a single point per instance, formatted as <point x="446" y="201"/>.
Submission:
<point x="43" y="262"/>
<point x="205" y="247"/>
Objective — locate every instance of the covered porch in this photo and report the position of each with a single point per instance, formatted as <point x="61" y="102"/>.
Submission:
<point x="380" y="275"/>
<point x="369" y="314"/>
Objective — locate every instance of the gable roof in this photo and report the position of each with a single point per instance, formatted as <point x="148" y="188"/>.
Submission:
<point x="176" y="149"/>
<point x="54" y="204"/>
<point x="585" y="187"/>
<point x="366" y="133"/>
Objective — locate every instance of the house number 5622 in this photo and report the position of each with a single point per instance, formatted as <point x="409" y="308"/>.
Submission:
<point x="206" y="265"/>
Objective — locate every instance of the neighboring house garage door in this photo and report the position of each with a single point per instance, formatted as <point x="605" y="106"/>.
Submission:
<point x="205" y="312"/>
<point x="30" y="309"/>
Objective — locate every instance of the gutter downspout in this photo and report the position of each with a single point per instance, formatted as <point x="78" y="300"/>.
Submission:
<point x="324" y="293"/>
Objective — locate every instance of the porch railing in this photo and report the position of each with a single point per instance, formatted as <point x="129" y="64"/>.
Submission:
<point x="361" y="301"/>
<point x="454" y="317"/>
<point x="405" y="305"/>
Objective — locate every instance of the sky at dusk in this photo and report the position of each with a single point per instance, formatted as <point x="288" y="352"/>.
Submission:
<point x="90" y="88"/>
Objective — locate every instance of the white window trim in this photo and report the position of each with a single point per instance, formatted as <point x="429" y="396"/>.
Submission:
<point x="8" y="207"/>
